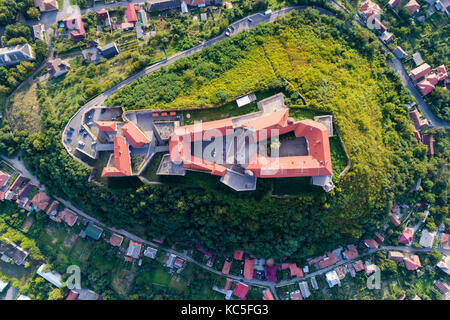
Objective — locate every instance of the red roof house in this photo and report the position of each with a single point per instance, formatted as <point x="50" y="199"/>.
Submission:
<point x="412" y="6"/>
<point x="130" y="14"/>
<point x="371" y="244"/>
<point x="72" y="295"/>
<point x="445" y="240"/>
<point x="3" y="179"/>
<point x="134" y="135"/>
<point x="226" y="267"/>
<point x="238" y="254"/>
<point x="241" y="290"/>
<point x="107" y="126"/>
<point x="351" y="253"/>
<point x="359" y="266"/>
<point x="417" y="135"/>
<point x="248" y="268"/>
<point x="425" y="86"/>
<point x="328" y="261"/>
<point x="421" y="71"/>
<point x="267" y="295"/>
<point x="294" y="270"/>
<point x="68" y="216"/>
<point x="40" y="201"/>
<point x="76" y="27"/>
<point x="412" y="263"/>
<point x="122" y="161"/>
<point x="116" y="240"/>
<point x="394" y="220"/>
<point x="407" y="236"/>
<point x="428" y="140"/>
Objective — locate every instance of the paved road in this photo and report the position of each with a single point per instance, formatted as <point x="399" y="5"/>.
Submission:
<point x="238" y="26"/>
<point x="407" y="82"/>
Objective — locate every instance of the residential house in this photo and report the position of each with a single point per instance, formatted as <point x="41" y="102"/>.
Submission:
<point x="267" y="295"/>
<point x="386" y="37"/>
<point x="17" y="183"/>
<point x="52" y="277"/>
<point x="371" y="244"/>
<point x="368" y="9"/>
<point x="75" y="26"/>
<point x="150" y="252"/>
<point x="304" y="289"/>
<point x="444" y="289"/>
<point x="39" y="31"/>
<point x="417" y="57"/>
<point x="379" y="238"/>
<point x="109" y="50"/>
<point x="226" y="267"/>
<point x="428" y="140"/>
<point x="296" y="295"/>
<point x="351" y="253"/>
<point x="314" y="283"/>
<point x="396" y="256"/>
<point x="444" y="264"/>
<point x="412" y="6"/>
<point x="4" y="177"/>
<point x="249" y="268"/>
<point x="93" y="231"/>
<point x="46" y="5"/>
<point x="394" y="220"/>
<point x="178" y="263"/>
<point x="134" y="250"/>
<point x="445" y="240"/>
<point x="327" y="261"/>
<point x="427" y="239"/>
<point x="406" y="236"/>
<point x="417" y="119"/>
<point x="420" y="71"/>
<point x="57" y="67"/>
<point x="332" y="279"/>
<point x="116" y="240"/>
<point x="443" y="5"/>
<point x="241" y="290"/>
<point x="399" y="52"/>
<point x="130" y="14"/>
<point x="358" y="265"/>
<point x="412" y="262"/>
<point x="370" y="268"/>
<point x="271" y="273"/>
<point x="72" y="295"/>
<point x="68" y="216"/>
<point x="52" y="209"/>
<point x="40" y="201"/>
<point x="238" y="254"/>
<point x="294" y="270"/>
<point x="393" y="3"/>
<point x="10" y="251"/>
<point x="16" y="54"/>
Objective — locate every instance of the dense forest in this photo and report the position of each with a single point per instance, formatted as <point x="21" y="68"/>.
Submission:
<point x="338" y="69"/>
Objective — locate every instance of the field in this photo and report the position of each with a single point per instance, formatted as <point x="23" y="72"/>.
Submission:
<point x="24" y="110"/>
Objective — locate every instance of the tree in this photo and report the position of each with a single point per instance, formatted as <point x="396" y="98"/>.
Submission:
<point x="55" y="294"/>
<point x="33" y="13"/>
<point x="435" y="257"/>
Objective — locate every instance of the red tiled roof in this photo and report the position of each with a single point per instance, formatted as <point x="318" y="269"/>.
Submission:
<point x="72" y="295"/>
<point x="238" y="254"/>
<point x="442" y="73"/>
<point x="267" y="295"/>
<point x="359" y="266"/>
<point x="412" y="263"/>
<point x="129" y="259"/>
<point x="226" y="267"/>
<point x="296" y="295"/>
<point x="130" y="14"/>
<point x="352" y="252"/>
<point x="40" y="201"/>
<point x="443" y="287"/>
<point x="428" y="140"/>
<point x="445" y="240"/>
<point x="122" y="164"/>
<point x="417" y="135"/>
<point x="369" y="8"/>
<point x="3" y="178"/>
<point x="328" y="262"/>
<point x="68" y="216"/>
<point x="370" y="243"/>
<point x="116" y="240"/>
<point x="52" y="207"/>
<point x="412" y="6"/>
<point x="418" y="120"/>
<point x="76" y="25"/>
<point x="227" y="284"/>
<point x="317" y="163"/>
<point x="108" y="126"/>
<point x="421" y="71"/>
<point x="394" y="220"/>
<point x="134" y="135"/>
<point x="294" y="270"/>
<point x="248" y="268"/>
<point x="241" y="290"/>
<point x="407" y="236"/>
<point x="271" y="273"/>
<point x="425" y="86"/>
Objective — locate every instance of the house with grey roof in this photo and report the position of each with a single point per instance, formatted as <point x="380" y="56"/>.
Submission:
<point x="14" y="55"/>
